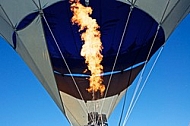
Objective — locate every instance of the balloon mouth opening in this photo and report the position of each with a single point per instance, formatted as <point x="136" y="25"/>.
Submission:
<point x="137" y="40"/>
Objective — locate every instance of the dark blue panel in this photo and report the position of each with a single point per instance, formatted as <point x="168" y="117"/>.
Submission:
<point x="111" y="15"/>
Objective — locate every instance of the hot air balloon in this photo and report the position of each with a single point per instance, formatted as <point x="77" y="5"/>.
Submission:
<point x="42" y="33"/>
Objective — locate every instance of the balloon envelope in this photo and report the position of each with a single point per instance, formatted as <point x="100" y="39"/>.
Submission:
<point x="43" y="35"/>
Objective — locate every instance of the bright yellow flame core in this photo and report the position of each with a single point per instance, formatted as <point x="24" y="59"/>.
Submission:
<point x="92" y="47"/>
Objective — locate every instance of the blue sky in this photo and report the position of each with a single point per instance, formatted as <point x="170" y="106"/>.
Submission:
<point x="165" y="100"/>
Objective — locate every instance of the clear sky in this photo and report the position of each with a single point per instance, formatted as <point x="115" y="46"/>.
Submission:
<point x="165" y="100"/>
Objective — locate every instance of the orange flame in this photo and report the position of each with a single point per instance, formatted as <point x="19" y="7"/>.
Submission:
<point x="92" y="47"/>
